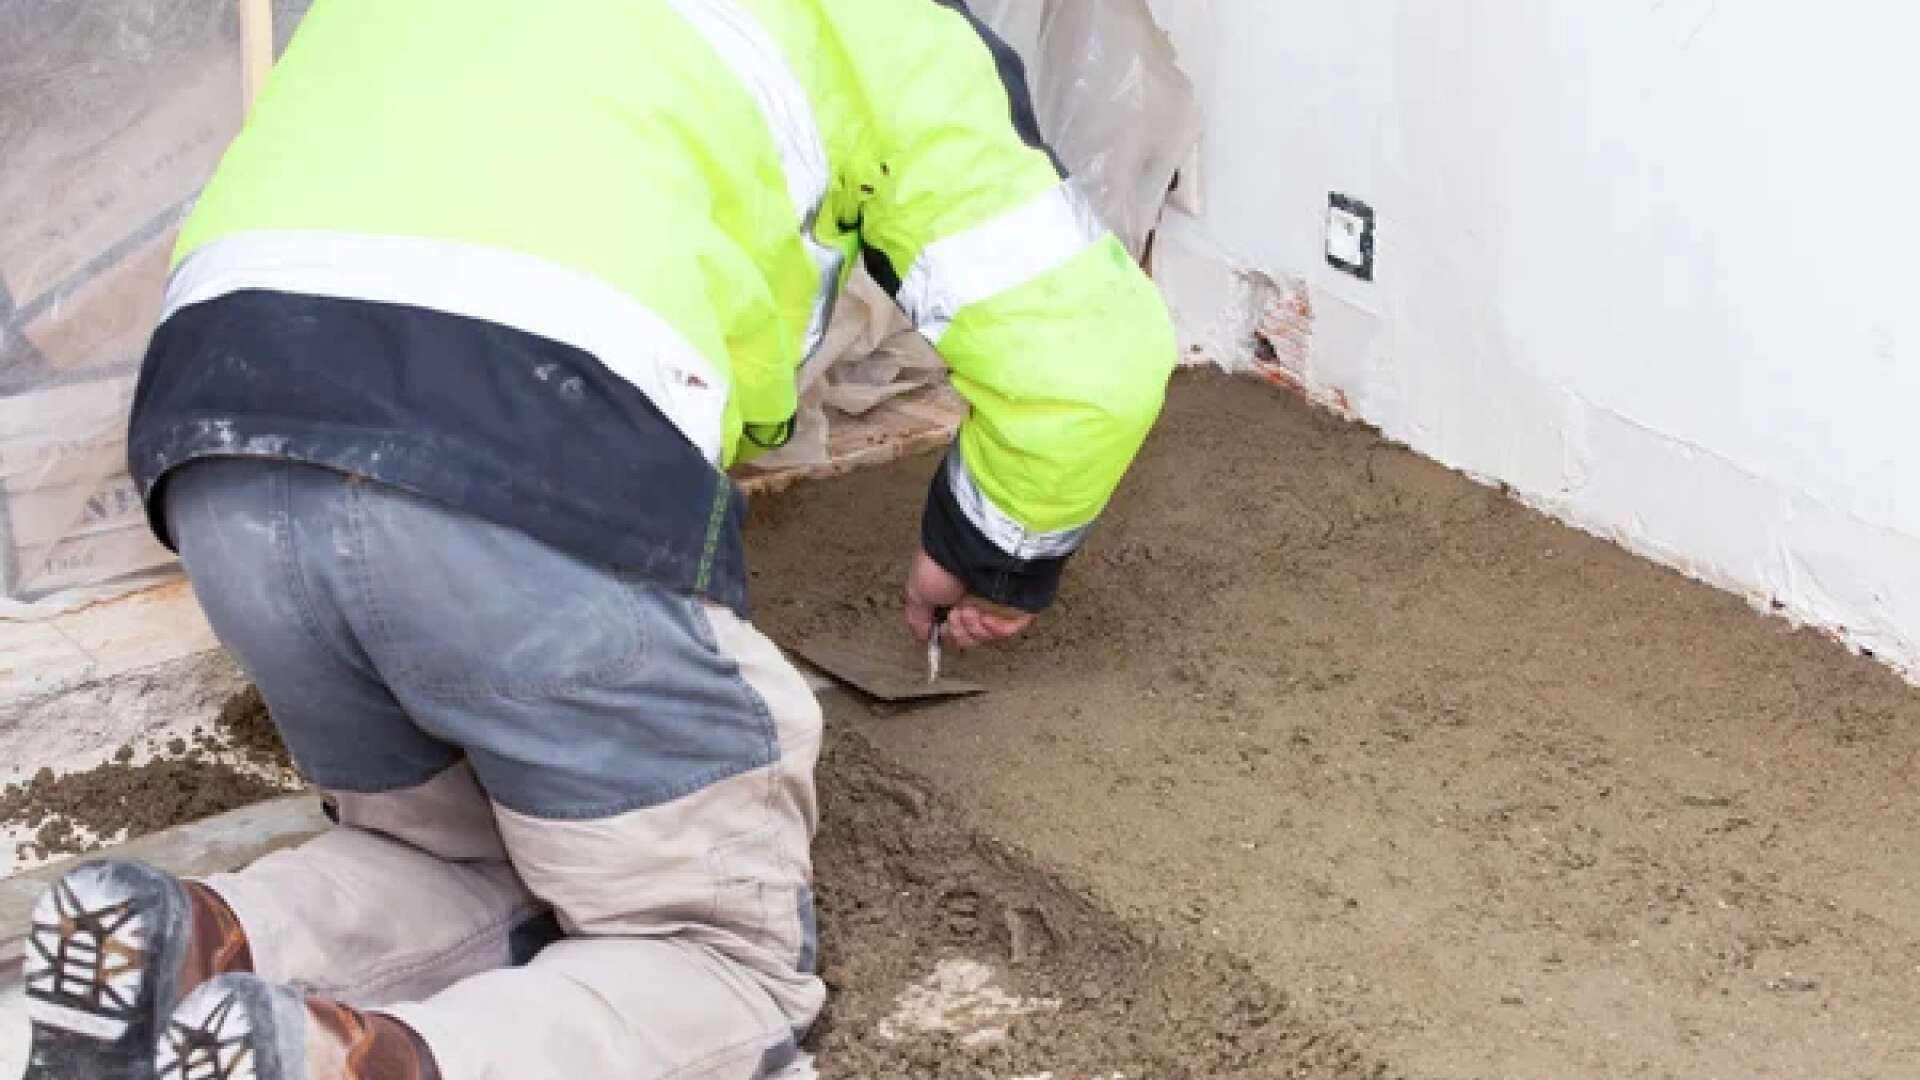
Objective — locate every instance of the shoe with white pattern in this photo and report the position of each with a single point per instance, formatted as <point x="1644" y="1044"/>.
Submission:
<point x="103" y="958"/>
<point x="240" y="1027"/>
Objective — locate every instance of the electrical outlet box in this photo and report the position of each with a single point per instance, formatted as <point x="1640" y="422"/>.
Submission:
<point x="1350" y="226"/>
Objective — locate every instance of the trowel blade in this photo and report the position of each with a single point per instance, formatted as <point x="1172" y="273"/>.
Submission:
<point x="881" y="679"/>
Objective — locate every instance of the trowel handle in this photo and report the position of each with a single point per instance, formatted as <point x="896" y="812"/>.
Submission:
<point x="933" y="643"/>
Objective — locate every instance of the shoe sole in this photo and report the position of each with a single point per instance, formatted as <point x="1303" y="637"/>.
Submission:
<point x="229" y="1029"/>
<point x="104" y="941"/>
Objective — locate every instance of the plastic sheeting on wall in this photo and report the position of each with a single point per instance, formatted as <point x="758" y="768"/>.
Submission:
<point x="1114" y="97"/>
<point x="1016" y="21"/>
<point x="1115" y="104"/>
<point x="111" y="117"/>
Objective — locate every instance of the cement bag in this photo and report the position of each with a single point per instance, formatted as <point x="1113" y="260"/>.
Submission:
<point x="1113" y="101"/>
<point x="111" y="117"/>
<point x="870" y="354"/>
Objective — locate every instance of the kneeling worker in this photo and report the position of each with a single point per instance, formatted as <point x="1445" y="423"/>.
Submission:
<point x="457" y="345"/>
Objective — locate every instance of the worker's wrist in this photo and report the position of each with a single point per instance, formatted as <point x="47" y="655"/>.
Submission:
<point x="961" y="549"/>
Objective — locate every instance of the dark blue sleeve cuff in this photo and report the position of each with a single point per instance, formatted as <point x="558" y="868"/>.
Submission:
<point x="964" y="551"/>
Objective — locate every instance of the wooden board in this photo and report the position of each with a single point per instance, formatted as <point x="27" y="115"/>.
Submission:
<point x="256" y="48"/>
<point x="913" y="423"/>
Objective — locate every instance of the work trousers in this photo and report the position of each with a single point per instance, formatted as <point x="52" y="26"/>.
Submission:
<point x="511" y="737"/>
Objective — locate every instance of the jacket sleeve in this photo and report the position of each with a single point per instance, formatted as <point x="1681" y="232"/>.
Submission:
<point x="1053" y="334"/>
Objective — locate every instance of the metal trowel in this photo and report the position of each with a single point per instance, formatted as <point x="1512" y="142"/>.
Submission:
<point x="885" y="680"/>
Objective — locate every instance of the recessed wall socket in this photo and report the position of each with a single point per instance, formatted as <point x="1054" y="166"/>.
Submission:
<point x="1350" y="235"/>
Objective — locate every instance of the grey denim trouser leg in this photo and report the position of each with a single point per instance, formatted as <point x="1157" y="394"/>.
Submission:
<point x="504" y="725"/>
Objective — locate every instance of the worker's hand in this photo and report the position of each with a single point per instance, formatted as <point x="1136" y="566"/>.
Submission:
<point x="972" y="621"/>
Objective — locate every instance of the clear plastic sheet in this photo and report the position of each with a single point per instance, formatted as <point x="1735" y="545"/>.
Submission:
<point x="111" y="117"/>
<point x="1112" y="98"/>
<point x="1017" y="22"/>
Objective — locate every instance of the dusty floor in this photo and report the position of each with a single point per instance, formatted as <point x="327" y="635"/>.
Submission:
<point x="1331" y="764"/>
<point x="908" y="890"/>
<point x="1497" y="797"/>
<point x="948" y="957"/>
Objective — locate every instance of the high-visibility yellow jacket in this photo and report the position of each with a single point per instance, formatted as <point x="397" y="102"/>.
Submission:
<point x="558" y="265"/>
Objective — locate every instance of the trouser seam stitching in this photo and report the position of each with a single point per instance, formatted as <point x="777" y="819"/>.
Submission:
<point x="296" y="577"/>
<point x="775" y="776"/>
<point x="361" y="559"/>
<point x="386" y="976"/>
<point x="647" y="800"/>
<point x="758" y="1039"/>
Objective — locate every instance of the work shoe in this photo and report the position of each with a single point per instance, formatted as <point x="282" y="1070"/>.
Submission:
<point x="241" y="1027"/>
<point x="111" y="948"/>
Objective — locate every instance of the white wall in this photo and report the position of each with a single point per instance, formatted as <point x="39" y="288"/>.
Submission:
<point x="1648" y="263"/>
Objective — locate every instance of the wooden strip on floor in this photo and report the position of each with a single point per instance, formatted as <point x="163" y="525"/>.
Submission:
<point x="913" y="423"/>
